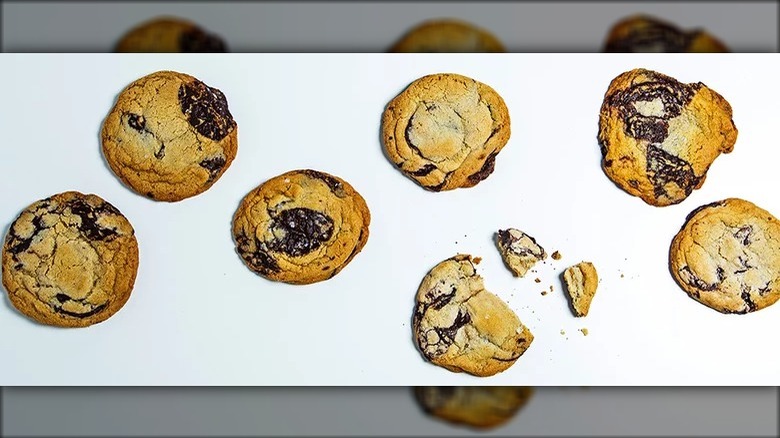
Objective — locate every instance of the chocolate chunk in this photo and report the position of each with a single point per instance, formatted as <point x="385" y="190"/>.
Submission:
<point x="214" y="166"/>
<point x="304" y="231"/>
<point x="692" y="280"/>
<point x="18" y="244"/>
<point x="161" y="152"/>
<point x="425" y="170"/>
<point x="442" y="300"/>
<point x="137" y="122"/>
<point x="334" y="184"/>
<point x="89" y="216"/>
<point x="664" y="168"/>
<point x="447" y="335"/>
<point x="438" y="187"/>
<point x="749" y="301"/>
<point x="743" y="234"/>
<point x="765" y="289"/>
<point x="487" y="168"/>
<point x="662" y="37"/>
<point x="703" y="207"/>
<point x="206" y="109"/>
<point x="92" y="312"/>
<point x="62" y="298"/>
<point x="198" y="41"/>
<point x="257" y="259"/>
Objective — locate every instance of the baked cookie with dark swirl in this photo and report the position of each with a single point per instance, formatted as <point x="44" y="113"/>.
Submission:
<point x="445" y="130"/>
<point x="659" y="137"/>
<point x="301" y="227"/>
<point x="70" y="260"/>
<point x="478" y="407"/>
<point x="167" y="34"/>
<point x="169" y="136"/>
<point x="646" y="34"/>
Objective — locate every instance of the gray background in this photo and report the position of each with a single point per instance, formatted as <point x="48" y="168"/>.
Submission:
<point x="535" y="27"/>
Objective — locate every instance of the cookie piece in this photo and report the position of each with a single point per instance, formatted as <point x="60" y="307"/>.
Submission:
<point x="479" y="407"/>
<point x="170" y="35"/>
<point x="658" y="136"/>
<point x="645" y="34"/>
<point x="301" y="227"/>
<point x="727" y="256"/>
<point x="581" y="282"/>
<point x="169" y="136"/>
<point x="448" y="35"/>
<point x="70" y="260"/>
<point x="460" y="326"/>
<point x="445" y="130"/>
<point x="519" y="250"/>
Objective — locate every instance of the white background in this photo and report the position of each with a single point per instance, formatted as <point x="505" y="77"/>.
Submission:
<point x="374" y="26"/>
<point x="198" y="316"/>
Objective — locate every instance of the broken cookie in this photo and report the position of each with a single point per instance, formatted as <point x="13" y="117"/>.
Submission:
<point x="460" y="326"/>
<point x="479" y="407"/>
<point x="727" y="256"/>
<point x="519" y="250"/>
<point x="581" y="281"/>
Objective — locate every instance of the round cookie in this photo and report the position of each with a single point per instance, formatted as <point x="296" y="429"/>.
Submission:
<point x="448" y="35"/>
<point x="727" y="256"/>
<point x="445" y="130"/>
<point x="169" y="136"/>
<point x="301" y="227"/>
<point x="658" y="137"/>
<point x="460" y="326"/>
<point x="479" y="407"/>
<point x="170" y="35"/>
<point x="70" y="260"/>
<point x="645" y="34"/>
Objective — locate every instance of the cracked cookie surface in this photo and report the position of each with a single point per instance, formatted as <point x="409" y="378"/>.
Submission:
<point x="727" y="256"/>
<point x="70" y="260"/>
<point x="301" y="227"/>
<point x="447" y="35"/>
<point x="460" y="326"/>
<point x="169" y="136"/>
<point x="645" y="34"/>
<point x="480" y="407"/>
<point x="519" y="250"/>
<point x="581" y="282"/>
<point x="170" y="35"/>
<point x="659" y="137"/>
<point x="445" y="130"/>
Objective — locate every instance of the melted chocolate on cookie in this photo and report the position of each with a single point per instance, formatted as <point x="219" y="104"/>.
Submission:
<point x="198" y="41"/>
<point x="664" y="37"/>
<point x="89" y="216"/>
<point x="206" y="109"/>
<point x="304" y="231"/>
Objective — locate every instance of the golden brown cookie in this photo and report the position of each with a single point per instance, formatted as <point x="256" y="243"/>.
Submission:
<point x="519" y="250"/>
<point x="479" y="407"/>
<point x="645" y="34"/>
<point x="581" y="282"/>
<point x="169" y="136"/>
<point x="460" y="326"/>
<point x="659" y="136"/>
<point x="301" y="227"/>
<point x="448" y="35"/>
<point x="445" y="130"/>
<point x="170" y="35"/>
<point x="70" y="260"/>
<point x="727" y="256"/>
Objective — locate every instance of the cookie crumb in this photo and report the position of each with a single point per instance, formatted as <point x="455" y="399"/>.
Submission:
<point x="581" y="281"/>
<point x="556" y="255"/>
<point x="544" y="292"/>
<point x="537" y="280"/>
<point x="551" y="288"/>
<point x="563" y="332"/>
<point x="584" y="331"/>
<point x="477" y="260"/>
<point x="622" y="276"/>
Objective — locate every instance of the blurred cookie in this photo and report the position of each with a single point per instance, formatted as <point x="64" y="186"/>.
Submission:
<point x="480" y="407"/>
<point x="448" y="35"/>
<point x="169" y="136"/>
<point x="659" y="136"/>
<point x="445" y="130"/>
<point x="460" y="326"/>
<point x="727" y="256"/>
<point x="301" y="227"/>
<point x="645" y="34"/>
<point x="581" y="282"/>
<point x="70" y="260"/>
<point x="519" y="250"/>
<point x="170" y="35"/>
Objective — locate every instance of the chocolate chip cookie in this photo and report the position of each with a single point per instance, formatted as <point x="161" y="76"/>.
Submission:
<point x="659" y="136"/>
<point x="170" y="35"/>
<point x="519" y="250"/>
<point x="581" y="282"/>
<point x="445" y="130"/>
<point x="460" y="326"/>
<point x="169" y="136"/>
<point x="70" y="260"/>
<point x="727" y="256"/>
<point x="479" y="407"/>
<point x="448" y="35"/>
<point x="645" y="34"/>
<point x="301" y="227"/>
